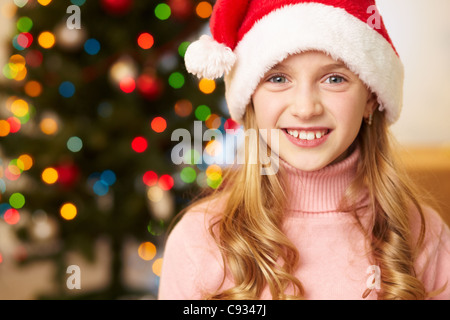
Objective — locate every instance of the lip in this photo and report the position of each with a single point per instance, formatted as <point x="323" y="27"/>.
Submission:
<point x="307" y="143"/>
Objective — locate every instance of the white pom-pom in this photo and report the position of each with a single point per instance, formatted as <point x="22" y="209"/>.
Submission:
<point x="206" y="58"/>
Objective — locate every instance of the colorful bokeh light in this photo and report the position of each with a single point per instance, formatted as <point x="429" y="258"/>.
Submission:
<point x="166" y="182"/>
<point x="183" y="47"/>
<point x="33" y="88"/>
<point x="139" y="144"/>
<point x="207" y="86"/>
<point x="176" y="80"/>
<point x="34" y="58"/>
<point x="213" y="121"/>
<point x="188" y="175"/>
<point x="157" y="266"/>
<point x="204" y="10"/>
<point x="25" y="162"/>
<point x="163" y="11"/>
<point x="202" y="112"/>
<point x="24" y="24"/>
<point x="46" y="40"/>
<point x="74" y="144"/>
<point x="49" y="126"/>
<point x="155" y="194"/>
<point x="145" y="40"/>
<point x="44" y="2"/>
<point x="158" y="124"/>
<point x="19" y="108"/>
<point x="11" y="216"/>
<point x="17" y="200"/>
<point x="49" y="175"/>
<point x="68" y="211"/>
<point x="147" y="251"/>
<point x="150" y="178"/>
<point x="92" y="46"/>
<point x="183" y="108"/>
<point x="127" y="84"/>
<point x="5" y="128"/>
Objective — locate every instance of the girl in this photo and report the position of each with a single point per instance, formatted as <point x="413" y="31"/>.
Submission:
<point x="337" y="219"/>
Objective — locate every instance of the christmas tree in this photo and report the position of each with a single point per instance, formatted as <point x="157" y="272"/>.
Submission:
<point x="91" y="93"/>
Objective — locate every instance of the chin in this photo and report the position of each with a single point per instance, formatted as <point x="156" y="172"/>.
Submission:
<point x="304" y="164"/>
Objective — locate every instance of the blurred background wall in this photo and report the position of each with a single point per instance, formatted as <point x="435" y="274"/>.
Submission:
<point x="421" y="33"/>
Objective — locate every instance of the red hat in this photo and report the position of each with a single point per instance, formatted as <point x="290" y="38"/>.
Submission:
<point x="249" y="37"/>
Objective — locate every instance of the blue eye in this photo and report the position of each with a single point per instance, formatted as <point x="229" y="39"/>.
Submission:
<point x="335" y="79"/>
<point x="278" y="79"/>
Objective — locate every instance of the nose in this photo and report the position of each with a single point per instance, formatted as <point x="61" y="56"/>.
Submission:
<point x="305" y="102"/>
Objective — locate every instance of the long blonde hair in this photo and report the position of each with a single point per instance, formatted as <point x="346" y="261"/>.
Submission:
<point x="256" y="252"/>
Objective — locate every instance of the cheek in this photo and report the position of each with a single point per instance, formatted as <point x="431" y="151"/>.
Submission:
<point x="267" y="110"/>
<point x="348" y="111"/>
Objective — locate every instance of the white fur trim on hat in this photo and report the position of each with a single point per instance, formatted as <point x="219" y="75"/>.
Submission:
<point x="209" y="59"/>
<point x="311" y="26"/>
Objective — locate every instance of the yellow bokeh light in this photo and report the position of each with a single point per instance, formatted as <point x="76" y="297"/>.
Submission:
<point x="5" y="128"/>
<point x="207" y="86"/>
<point x="204" y="9"/>
<point x="26" y="162"/>
<point x="19" y="76"/>
<point x="46" y="40"/>
<point x="155" y="194"/>
<point x="33" y="88"/>
<point x="157" y="266"/>
<point x="213" y="170"/>
<point x="19" y="108"/>
<point x="17" y="62"/>
<point x="68" y="211"/>
<point x="48" y="126"/>
<point x="147" y="251"/>
<point x="50" y="175"/>
<point x="44" y="2"/>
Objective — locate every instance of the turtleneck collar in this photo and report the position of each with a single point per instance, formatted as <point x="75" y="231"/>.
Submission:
<point x="321" y="190"/>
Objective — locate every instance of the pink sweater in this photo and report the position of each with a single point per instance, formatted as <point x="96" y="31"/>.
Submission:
<point x="333" y="260"/>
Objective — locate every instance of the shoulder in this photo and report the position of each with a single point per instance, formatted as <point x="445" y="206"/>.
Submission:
<point x="192" y="262"/>
<point x="194" y="225"/>
<point x="191" y="237"/>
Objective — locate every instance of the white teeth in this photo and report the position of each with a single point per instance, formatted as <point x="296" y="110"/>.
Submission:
<point x="307" y="135"/>
<point x="294" y="133"/>
<point x="311" y="136"/>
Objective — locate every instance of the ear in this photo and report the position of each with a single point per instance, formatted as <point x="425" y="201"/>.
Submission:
<point x="371" y="105"/>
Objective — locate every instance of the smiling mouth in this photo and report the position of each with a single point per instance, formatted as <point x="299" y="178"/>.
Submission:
<point x="307" y="134"/>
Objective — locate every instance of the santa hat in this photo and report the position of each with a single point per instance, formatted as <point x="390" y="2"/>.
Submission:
<point x="249" y="37"/>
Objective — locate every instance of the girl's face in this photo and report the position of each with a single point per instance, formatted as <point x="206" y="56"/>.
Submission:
<point x="317" y="104"/>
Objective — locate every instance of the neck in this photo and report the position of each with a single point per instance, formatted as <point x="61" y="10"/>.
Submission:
<point x="321" y="190"/>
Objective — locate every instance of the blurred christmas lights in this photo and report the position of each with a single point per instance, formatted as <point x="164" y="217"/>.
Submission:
<point x="68" y="211"/>
<point x="158" y="124"/>
<point x="145" y="40"/>
<point x="49" y="175"/>
<point x="163" y="11"/>
<point x="46" y="40"/>
<point x="139" y="144"/>
<point x="147" y="251"/>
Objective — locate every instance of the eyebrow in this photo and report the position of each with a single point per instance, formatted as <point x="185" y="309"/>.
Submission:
<point x="336" y="65"/>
